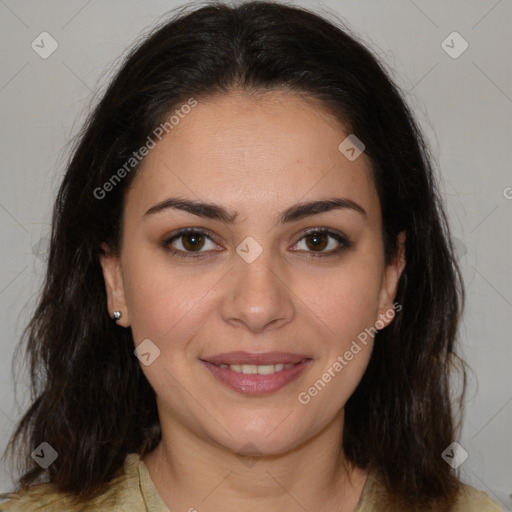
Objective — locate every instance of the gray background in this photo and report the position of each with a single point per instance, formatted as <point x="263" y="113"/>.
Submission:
<point x="464" y="105"/>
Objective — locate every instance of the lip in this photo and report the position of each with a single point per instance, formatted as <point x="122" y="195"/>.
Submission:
<point x="258" y="359"/>
<point x="256" y="384"/>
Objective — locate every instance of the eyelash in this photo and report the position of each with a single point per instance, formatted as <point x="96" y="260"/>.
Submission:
<point x="345" y="243"/>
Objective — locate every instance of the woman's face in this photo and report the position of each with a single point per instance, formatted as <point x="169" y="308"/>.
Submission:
<point x="265" y="281"/>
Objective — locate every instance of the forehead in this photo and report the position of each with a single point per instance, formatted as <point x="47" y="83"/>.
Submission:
<point x="256" y="152"/>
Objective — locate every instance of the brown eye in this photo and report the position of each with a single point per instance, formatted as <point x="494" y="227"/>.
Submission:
<point x="192" y="241"/>
<point x="317" y="241"/>
<point x="186" y="242"/>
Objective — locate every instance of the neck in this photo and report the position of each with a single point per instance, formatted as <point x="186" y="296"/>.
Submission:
<point x="192" y="471"/>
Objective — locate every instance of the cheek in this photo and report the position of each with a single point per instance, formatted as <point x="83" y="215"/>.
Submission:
<point x="151" y="306"/>
<point x="349" y="312"/>
<point x="338" y="380"/>
<point x="347" y="300"/>
<point x="165" y="302"/>
<point x="348" y="307"/>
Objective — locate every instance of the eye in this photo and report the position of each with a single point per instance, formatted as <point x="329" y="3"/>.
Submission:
<point x="317" y="240"/>
<point x="193" y="240"/>
<point x="188" y="241"/>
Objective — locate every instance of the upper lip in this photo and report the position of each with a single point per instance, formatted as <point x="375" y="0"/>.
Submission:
<point x="256" y="359"/>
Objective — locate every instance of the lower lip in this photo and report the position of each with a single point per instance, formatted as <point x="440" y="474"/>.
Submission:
<point x="256" y="384"/>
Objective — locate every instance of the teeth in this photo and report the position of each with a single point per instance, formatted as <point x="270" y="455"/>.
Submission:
<point x="261" y="369"/>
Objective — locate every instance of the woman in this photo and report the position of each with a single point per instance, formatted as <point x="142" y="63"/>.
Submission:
<point x="301" y="359"/>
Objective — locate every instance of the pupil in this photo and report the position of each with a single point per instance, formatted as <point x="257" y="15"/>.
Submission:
<point x="192" y="241"/>
<point x="318" y="240"/>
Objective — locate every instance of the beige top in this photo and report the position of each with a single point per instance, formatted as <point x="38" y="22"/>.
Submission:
<point x="134" y="491"/>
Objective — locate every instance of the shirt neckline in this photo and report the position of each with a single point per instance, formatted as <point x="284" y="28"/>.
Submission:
<point x="152" y="499"/>
<point x="154" y="502"/>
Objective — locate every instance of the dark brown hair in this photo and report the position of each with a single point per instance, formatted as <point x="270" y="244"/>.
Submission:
<point x="90" y="399"/>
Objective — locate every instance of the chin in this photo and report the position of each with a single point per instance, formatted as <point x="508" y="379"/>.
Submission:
<point x="258" y="443"/>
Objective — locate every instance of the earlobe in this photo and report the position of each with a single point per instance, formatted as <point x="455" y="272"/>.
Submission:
<point x="390" y="282"/>
<point x="114" y="287"/>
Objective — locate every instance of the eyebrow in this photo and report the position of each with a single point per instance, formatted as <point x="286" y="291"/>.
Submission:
<point x="294" y="213"/>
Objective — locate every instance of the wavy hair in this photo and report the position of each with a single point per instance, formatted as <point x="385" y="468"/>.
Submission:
<point x="89" y="397"/>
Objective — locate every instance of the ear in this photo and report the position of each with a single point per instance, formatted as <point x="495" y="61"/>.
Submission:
<point x="390" y="283"/>
<point x="114" y="285"/>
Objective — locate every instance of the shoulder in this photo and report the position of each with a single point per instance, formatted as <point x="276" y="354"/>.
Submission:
<point x="120" y="496"/>
<point x="375" y="498"/>
<point x="473" y="500"/>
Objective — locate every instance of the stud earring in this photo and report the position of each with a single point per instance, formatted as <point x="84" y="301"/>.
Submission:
<point x="116" y="315"/>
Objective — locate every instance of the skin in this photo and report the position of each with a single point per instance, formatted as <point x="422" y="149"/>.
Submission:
<point x="256" y="154"/>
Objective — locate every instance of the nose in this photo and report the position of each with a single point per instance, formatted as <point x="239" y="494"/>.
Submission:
<point x="257" y="294"/>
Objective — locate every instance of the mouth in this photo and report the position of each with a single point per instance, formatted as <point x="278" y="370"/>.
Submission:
<point x="256" y="374"/>
<point x="260" y="369"/>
